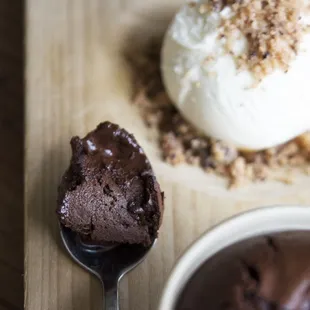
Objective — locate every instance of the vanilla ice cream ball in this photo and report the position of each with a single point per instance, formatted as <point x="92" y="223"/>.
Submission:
<point x="216" y="78"/>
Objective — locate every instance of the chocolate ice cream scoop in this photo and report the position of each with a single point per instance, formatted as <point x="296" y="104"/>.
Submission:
<point x="262" y="273"/>
<point x="109" y="192"/>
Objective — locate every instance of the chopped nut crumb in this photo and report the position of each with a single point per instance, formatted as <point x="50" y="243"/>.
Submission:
<point x="223" y="153"/>
<point x="192" y="4"/>
<point x="208" y="60"/>
<point x="286" y="179"/>
<point x="180" y="142"/>
<point x="272" y="28"/>
<point x="203" y="8"/>
<point x="304" y="142"/>
<point x="172" y="149"/>
<point x="238" y="172"/>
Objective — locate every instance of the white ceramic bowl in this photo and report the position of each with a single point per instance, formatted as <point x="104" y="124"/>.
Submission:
<point x="259" y="221"/>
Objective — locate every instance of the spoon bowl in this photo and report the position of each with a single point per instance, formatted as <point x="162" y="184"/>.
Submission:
<point x="109" y="262"/>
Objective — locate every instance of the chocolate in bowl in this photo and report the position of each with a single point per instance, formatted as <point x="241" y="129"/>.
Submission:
<point x="238" y="264"/>
<point x="264" y="272"/>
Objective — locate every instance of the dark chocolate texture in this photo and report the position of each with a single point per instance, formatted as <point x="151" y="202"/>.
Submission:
<point x="263" y="273"/>
<point x="109" y="192"/>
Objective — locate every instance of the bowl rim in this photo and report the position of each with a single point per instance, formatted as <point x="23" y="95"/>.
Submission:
<point x="268" y="219"/>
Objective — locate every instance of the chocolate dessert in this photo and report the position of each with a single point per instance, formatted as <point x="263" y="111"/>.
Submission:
<point x="262" y="273"/>
<point x="109" y="192"/>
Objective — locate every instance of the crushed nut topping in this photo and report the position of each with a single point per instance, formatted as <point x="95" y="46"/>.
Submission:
<point x="273" y="29"/>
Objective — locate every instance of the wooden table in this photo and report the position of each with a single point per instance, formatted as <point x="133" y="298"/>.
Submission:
<point x="76" y="78"/>
<point x="11" y="155"/>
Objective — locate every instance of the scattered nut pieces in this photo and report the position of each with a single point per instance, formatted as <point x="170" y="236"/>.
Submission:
<point x="304" y="141"/>
<point x="260" y="172"/>
<point x="286" y="179"/>
<point x="192" y="4"/>
<point x="273" y="29"/>
<point x="223" y="153"/>
<point x="172" y="149"/>
<point x="238" y="172"/>
<point x="203" y="8"/>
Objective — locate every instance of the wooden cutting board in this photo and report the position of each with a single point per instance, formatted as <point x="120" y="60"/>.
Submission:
<point x="76" y="78"/>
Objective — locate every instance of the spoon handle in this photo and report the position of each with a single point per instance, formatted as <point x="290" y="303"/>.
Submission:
<point x="111" y="295"/>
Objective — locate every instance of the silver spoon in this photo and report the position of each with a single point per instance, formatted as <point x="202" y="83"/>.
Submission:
<point x="109" y="262"/>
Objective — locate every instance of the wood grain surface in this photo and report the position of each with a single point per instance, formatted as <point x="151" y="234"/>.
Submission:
<point x="75" y="78"/>
<point x="11" y="155"/>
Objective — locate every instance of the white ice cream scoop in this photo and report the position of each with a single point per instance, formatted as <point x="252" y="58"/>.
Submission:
<point x="203" y="81"/>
